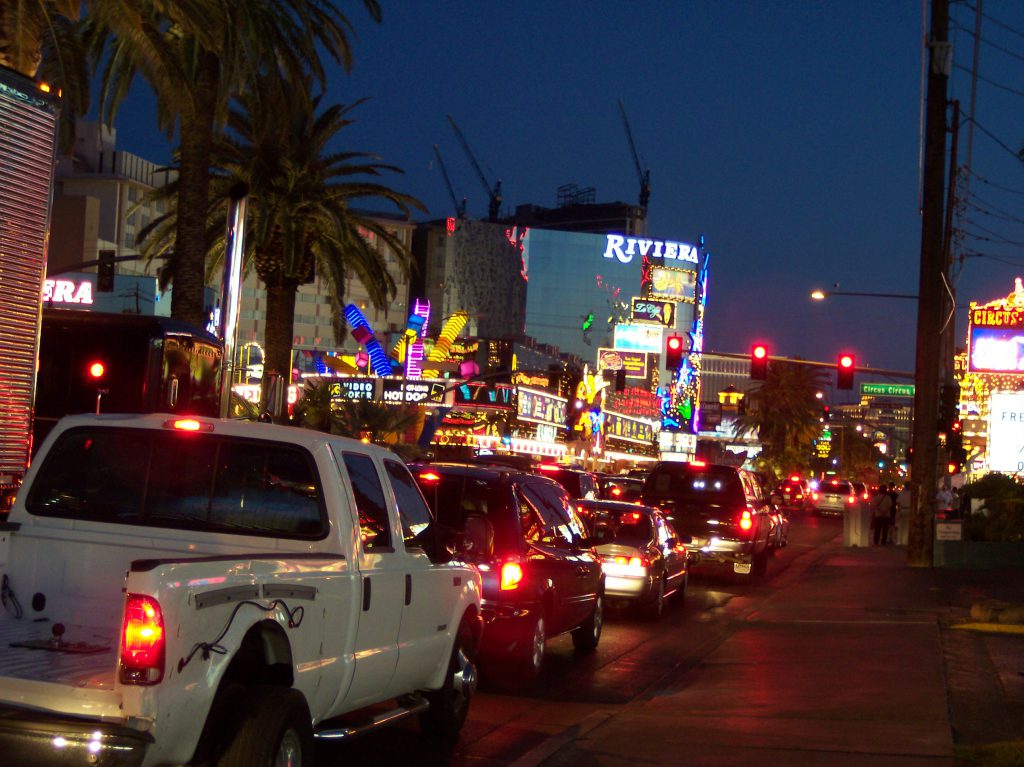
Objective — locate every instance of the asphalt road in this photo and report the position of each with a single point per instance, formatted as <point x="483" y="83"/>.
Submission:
<point x="636" y="659"/>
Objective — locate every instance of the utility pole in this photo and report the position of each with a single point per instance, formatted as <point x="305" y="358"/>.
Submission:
<point x="932" y="296"/>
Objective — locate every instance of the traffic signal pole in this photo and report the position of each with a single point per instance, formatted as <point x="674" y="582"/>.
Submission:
<point x="924" y="472"/>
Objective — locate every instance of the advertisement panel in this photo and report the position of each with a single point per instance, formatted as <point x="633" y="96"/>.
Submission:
<point x="654" y="310"/>
<point x="996" y="335"/>
<point x="673" y="284"/>
<point x="488" y="395"/>
<point x="399" y="391"/>
<point x="1006" y="432"/>
<point x="622" y="427"/>
<point x="634" y="363"/>
<point x="640" y="338"/>
<point x="540" y="407"/>
<point x="352" y="389"/>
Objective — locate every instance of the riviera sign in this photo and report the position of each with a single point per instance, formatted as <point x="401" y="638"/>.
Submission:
<point x="624" y="248"/>
<point x="887" y="390"/>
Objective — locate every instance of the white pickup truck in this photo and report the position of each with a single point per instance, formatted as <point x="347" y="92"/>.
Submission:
<point x="194" y="591"/>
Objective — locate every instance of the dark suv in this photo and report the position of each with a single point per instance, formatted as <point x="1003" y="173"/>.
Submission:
<point x="580" y="483"/>
<point x="542" y="577"/>
<point x="722" y="508"/>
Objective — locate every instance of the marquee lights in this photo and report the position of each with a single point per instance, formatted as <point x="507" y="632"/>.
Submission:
<point x="363" y="333"/>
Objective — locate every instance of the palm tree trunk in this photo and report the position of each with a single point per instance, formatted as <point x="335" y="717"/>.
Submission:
<point x="189" y="261"/>
<point x="280" y="317"/>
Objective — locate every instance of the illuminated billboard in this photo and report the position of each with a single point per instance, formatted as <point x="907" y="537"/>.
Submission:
<point x="673" y="284"/>
<point x="634" y="363"/>
<point x="996" y="334"/>
<point x="1006" y="432"/>
<point x="661" y="311"/>
<point x="639" y="338"/>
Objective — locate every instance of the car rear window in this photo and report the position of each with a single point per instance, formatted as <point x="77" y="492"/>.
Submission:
<point x="691" y="484"/>
<point x="453" y="497"/>
<point x="186" y="481"/>
<point x="836" y="488"/>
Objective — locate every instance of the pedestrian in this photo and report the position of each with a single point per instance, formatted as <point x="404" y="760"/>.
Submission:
<point x="881" y="515"/>
<point x="901" y="533"/>
<point x="943" y="501"/>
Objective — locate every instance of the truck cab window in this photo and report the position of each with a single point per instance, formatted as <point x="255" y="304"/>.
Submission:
<point x="412" y="509"/>
<point x="374" y="525"/>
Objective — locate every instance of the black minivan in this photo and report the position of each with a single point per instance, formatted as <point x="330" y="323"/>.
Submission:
<point x="722" y="508"/>
<point x="542" y="578"/>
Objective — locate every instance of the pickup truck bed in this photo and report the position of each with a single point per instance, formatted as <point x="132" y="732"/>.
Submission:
<point x="85" y="659"/>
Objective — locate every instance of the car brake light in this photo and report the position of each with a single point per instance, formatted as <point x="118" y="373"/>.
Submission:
<point x="799" y="495"/>
<point x="511" y="575"/>
<point x="616" y="491"/>
<point x="549" y="467"/>
<point x="430" y="477"/>
<point x="852" y="499"/>
<point x="142" y="641"/>
<point x="814" y="496"/>
<point x="699" y="464"/>
<point x="864" y="495"/>
<point x="187" y="424"/>
<point x="746" y="521"/>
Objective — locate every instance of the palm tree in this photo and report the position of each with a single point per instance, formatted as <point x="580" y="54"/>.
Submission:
<point x="784" y="412"/>
<point x="42" y="39"/>
<point x="299" y="214"/>
<point x="196" y="56"/>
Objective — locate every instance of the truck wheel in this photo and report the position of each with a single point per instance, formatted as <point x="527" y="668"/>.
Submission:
<point x="450" y="705"/>
<point x="586" y="637"/>
<point x="273" y="729"/>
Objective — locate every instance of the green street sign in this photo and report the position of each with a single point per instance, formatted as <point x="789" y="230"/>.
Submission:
<point x="826" y="435"/>
<point x="887" y="390"/>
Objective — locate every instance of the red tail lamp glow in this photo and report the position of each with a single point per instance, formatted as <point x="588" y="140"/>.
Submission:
<point x="142" y="641"/>
<point x="746" y="521"/>
<point x="511" y="576"/>
<point x="430" y="477"/>
<point x="699" y="464"/>
<point x="97" y="369"/>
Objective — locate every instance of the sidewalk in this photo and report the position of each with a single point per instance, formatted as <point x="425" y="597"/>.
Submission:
<point x="854" y="662"/>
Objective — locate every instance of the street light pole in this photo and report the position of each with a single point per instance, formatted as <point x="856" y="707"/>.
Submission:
<point x="931" y="301"/>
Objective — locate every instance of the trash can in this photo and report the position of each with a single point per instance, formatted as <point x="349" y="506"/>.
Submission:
<point x="857" y="525"/>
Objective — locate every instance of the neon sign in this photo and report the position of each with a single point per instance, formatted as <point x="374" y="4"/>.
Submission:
<point x="624" y="248"/>
<point x="67" y="292"/>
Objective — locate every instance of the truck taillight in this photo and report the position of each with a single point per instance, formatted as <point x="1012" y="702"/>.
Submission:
<point x="746" y="520"/>
<point x="142" y="641"/>
<point x="511" y="575"/>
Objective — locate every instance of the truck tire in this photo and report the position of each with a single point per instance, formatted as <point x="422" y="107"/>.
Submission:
<point x="586" y="637"/>
<point x="450" y="705"/>
<point x="274" y="728"/>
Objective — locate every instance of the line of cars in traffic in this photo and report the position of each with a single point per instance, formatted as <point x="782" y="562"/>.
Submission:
<point x="563" y="543"/>
<point x="832" y="496"/>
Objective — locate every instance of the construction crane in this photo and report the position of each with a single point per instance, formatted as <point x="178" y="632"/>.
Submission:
<point x="460" y="207"/>
<point x="493" y="192"/>
<point x="643" y="174"/>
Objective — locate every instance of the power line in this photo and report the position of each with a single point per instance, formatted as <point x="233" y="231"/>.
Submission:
<point x="1000" y="214"/>
<point x="990" y="257"/>
<point x="994" y="20"/>
<point x="988" y="42"/>
<point x="990" y="81"/>
<point x="992" y="136"/>
<point x="993" y="184"/>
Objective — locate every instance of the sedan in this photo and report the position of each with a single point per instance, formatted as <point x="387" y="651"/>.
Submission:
<point x="643" y="559"/>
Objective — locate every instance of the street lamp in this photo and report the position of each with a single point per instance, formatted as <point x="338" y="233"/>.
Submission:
<point x="821" y="295"/>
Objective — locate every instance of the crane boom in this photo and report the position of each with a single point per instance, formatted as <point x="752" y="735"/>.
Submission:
<point x="460" y="208"/>
<point x="643" y="174"/>
<point x="493" y="193"/>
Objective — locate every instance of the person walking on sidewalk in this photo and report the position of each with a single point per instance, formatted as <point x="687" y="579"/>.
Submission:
<point x="881" y="515"/>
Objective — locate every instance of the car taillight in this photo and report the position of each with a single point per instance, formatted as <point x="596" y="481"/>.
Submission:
<point x="622" y="565"/>
<point x="814" y="496"/>
<point x="616" y="491"/>
<point x="799" y="496"/>
<point x="851" y="499"/>
<point x="746" y="520"/>
<point x="864" y="496"/>
<point x="511" y="575"/>
<point x="142" y="641"/>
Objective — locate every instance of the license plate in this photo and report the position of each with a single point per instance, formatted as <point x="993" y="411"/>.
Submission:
<point x="741" y="567"/>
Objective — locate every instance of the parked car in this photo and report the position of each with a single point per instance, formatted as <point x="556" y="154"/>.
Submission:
<point x="580" y="483"/>
<point x="722" y="508"/>
<point x="541" y="579"/>
<point x="796" y="495"/>
<point x="780" y="522"/>
<point x="833" y="497"/>
<point x="619" y="487"/>
<point x="643" y="559"/>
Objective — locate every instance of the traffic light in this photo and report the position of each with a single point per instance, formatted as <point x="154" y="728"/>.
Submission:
<point x="96" y="370"/>
<point x="955" y="446"/>
<point x="845" y="367"/>
<point x="758" y="362"/>
<point x="949" y="406"/>
<point x="826" y="413"/>
<point x="105" y="272"/>
<point x="673" y="352"/>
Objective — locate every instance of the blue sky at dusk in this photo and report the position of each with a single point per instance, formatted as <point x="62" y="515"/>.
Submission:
<point x="786" y="132"/>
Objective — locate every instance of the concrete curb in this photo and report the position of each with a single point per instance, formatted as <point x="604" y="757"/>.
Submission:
<point x="991" y="628"/>
<point x="997" y="611"/>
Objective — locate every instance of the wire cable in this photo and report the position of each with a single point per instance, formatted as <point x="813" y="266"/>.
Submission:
<point x="207" y="648"/>
<point x="9" y="600"/>
<point x="990" y="81"/>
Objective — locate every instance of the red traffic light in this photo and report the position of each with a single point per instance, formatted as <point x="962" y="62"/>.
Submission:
<point x="673" y="352"/>
<point x="845" y="366"/>
<point x="759" y="362"/>
<point x="97" y="370"/>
